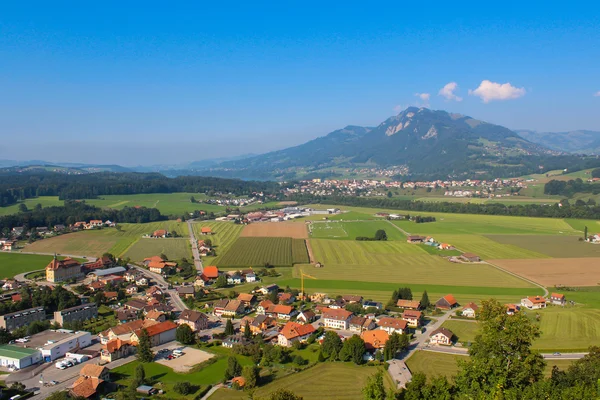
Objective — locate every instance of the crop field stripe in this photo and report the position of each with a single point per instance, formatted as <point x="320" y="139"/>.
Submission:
<point x="247" y="252"/>
<point x="299" y="252"/>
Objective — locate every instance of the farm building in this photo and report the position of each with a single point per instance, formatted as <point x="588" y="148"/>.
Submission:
<point x="415" y="239"/>
<point x="206" y="230"/>
<point x="447" y="302"/>
<point x="533" y="302"/>
<point x="470" y="257"/>
<point x="441" y="336"/>
<point x="409" y="304"/>
<point x="211" y="272"/>
<point x="512" y="309"/>
<point x="558" y="299"/>
<point x="160" y="233"/>
<point x="19" y="357"/>
<point x="470" y="310"/>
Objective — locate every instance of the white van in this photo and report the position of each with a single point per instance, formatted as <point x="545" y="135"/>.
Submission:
<point x="177" y="353"/>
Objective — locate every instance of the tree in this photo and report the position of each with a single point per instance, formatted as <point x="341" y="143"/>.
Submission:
<point x="353" y="350"/>
<point x="185" y="334"/>
<point x="183" y="388"/>
<point x="17" y="387"/>
<point x="321" y="358"/>
<point x="140" y="376"/>
<point x="298" y="360"/>
<point x="233" y="368"/>
<point x="355" y="308"/>
<point x="22" y="208"/>
<point x="585" y="233"/>
<point x="332" y="344"/>
<point x="99" y="298"/>
<point x="273" y="296"/>
<point x="380" y="235"/>
<point x="5" y="336"/>
<point x="284" y="394"/>
<point x="501" y="358"/>
<point x="163" y="257"/>
<point x="229" y="329"/>
<point x="374" y="388"/>
<point x="395" y="344"/>
<point x="247" y="331"/>
<point x="64" y="395"/>
<point x="144" y="348"/>
<point x="251" y="374"/>
<point x="425" y="300"/>
<point x="221" y="282"/>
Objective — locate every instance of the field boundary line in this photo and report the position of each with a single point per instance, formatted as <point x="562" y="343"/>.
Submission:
<point x="546" y="293"/>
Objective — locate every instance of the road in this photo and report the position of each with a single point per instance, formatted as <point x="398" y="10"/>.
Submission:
<point x="195" y="251"/>
<point x="463" y="351"/>
<point x="178" y="304"/>
<point x="60" y="255"/>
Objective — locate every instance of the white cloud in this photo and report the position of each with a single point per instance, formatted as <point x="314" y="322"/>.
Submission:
<point x="448" y="91"/>
<point x="597" y="94"/>
<point x="490" y="91"/>
<point x="424" y="98"/>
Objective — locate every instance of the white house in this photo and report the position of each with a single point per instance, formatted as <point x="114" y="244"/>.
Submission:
<point x="441" y="336"/>
<point x="534" y="302"/>
<point x="470" y="310"/>
<point x="336" y="318"/>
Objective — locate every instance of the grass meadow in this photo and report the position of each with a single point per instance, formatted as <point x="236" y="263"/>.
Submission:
<point x="352" y="230"/>
<point x="174" y="249"/>
<point x="435" y="364"/>
<point x="487" y="248"/>
<point x="400" y="262"/>
<point x="45" y="201"/>
<point x="552" y="246"/>
<point x="12" y="264"/>
<point x="316" y="383"/>
<point x="464" y="331"/>
<point x="96" y="242"/>
<point x="567" y="329"/>
<point x="580" y="224"/>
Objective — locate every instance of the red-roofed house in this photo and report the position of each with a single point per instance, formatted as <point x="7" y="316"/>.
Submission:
<point x="206" y="230"/>
<point x="412" y="318"/>
<point x="160" y="233"/>
<point x="409" y="304"/>
<point x="374" y="340"/>
<point x="447" y="302"/>
<point x="470" y="310"/>
<point x="160" y="333"/>
<point x="115" y="349"/>
<point x="534" y="302"/>
<point x="558" y="299"/>
<point x="294" y="332"/>
<point x="441" y="336"/>
<point x="281" y="311"/>
<point x="336" y="318"/>
<point x="211" y="272"/>
<point x="391" y="325"/>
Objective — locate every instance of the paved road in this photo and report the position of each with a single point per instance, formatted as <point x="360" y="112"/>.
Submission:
<point x="463" y="351"/>
<point x="178" y="304"/>
<point x="60" y="255"/>
<point x="195" y="251"/>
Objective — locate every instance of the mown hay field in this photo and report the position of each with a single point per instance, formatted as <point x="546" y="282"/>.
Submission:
<point x="487" y="248"/>
<point x="299" y="252"/>
<point x="275" y="229"/>
<point x="12" y="264"/>
<point x="45" y="201"/>
<point x="568" y="328"/>
<point x="173" y="248"/>
<point x="254" y="252"/>
<point x="552" y="246"/>
<point x="556" y="271"/>
<point x="464" y="331"/>
<point x="401" y="262"/>
<point x="354" y="229"/>
<point x="96" y="242"/>
<point x="316" y="383"/>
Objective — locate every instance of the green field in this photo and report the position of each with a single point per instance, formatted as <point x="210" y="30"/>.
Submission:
<point x="552" y="246"/>
<point x="224" y="235"/>
<point x="256" y="252"/>
<point x="12" y="264"/>
<point x="464" y="331"/>
<point x="323" y="381"/>
<point x="580" y="224"/>
<point x="351" y="230"/>
<point x="299" y="252"/>
<point x="96" y="242"/>
<point x="174" y="249"/>
<point x="45" y="201"/>
<point x="488" y="248"/>
<point x="568" y="329"/>
<point x="400" y="262"/>
<point x="435" y="364"/>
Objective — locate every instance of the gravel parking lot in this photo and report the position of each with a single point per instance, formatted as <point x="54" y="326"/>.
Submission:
<point x="183" y="364"/>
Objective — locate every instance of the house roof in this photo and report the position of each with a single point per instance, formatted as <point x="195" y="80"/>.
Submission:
<point x="472" y="306"/>
<point x="233" y="305"/>
<point x="159" y="328"/>
<point x="192" y="316"/>
<point x="557" y="296"/>
<point x="293" y="330"/>
<point x="266" y="304"/>
<point x="446" y="332"/>
<point x="337" y="314"/>
<point x="352" y="298"/>
<point x="245" y="297"/>
<point x="375" y="339"/>
<point x="396" y="323"/>
<point x="308" y="314"/>
<point x="281" y="309"/>
<point x="408" y="303"/>
<point x="66" y="263"/>
<point x="113" y="345"/>
<point x="469" y="255"/>
<point x="85" y="387"/>
<point x="92" y="370"/>
<point x="536" y="299"/>
<point x="206" y="229"/>
<point x="153" y="314"/>
<point x="139" y="304"/>
<point x="285" y="296"/>
<point x="186" y="289"/>
<point x="15" y="352"/>
<point x="153" y="258"/>
<point x="412" y="314"/>
<point x="128" y="327"/>
<point x="449" y="299"/>
<point x="211" y="272"/>
<point x="160" y="232"/>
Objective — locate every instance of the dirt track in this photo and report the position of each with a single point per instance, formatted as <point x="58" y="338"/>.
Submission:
<point x="275" y="229"/>
<point x="555" y="271"/>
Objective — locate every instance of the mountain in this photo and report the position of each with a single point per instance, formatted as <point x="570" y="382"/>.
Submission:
<point x="427" y="142"/>
<point x="584" y="142"/>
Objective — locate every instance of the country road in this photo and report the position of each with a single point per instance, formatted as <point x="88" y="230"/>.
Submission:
<point x="195" y="251"/>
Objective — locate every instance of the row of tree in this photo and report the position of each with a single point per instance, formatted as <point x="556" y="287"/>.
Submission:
<point x="569" y="188"/>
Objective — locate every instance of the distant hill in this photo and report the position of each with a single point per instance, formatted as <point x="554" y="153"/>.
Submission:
<point x="584" y="142"/>
<point x="426" y="141"/>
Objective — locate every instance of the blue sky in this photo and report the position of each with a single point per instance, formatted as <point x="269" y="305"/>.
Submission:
<point x="143" y="83"/>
